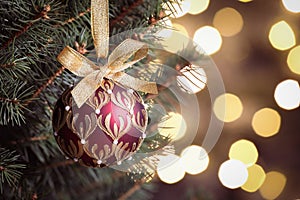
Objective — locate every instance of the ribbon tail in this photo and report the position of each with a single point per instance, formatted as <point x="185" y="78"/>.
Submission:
<point x="136" y="84"/>
<point x="85" y="88"/>
<point x="75" y="62"/>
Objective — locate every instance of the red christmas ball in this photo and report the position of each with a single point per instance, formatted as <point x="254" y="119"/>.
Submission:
<point x="107" y="129"/>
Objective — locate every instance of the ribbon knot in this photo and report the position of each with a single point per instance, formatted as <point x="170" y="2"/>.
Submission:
<point x="118" y="61"/>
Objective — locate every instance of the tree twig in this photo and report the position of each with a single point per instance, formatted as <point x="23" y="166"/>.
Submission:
<point x="132" y="190"/>
<point x="49" y="82"/>
<point x="41" y="15"/>
<point x="32" y="139"/>
<point x="125" y="12"/>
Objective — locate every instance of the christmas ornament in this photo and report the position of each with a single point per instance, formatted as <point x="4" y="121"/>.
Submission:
<point x="102" y="120"/>
<point x="105" y="130"/>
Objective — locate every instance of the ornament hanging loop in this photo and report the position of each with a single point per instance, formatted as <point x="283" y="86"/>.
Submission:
<point x="100" y="27"/>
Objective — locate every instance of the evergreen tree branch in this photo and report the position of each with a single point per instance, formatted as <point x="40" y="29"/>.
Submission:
<point x="8" y="65"/>
<point x="125" y="12"/>
<point x="41" y="15"/>
<point x="73" y="19"/>
<point x="49" y="82"/>
<point x="32" y="139"/>
<point x="132" y="190"/>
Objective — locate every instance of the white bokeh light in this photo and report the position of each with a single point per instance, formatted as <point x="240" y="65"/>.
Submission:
<point x="177" y="9"/>
<point x="170" y="169"/>
<point x="192" y="79"/>
<point x="233" y="174"/>
<point x="209" y="39"/>
<point x="292" y="5"/>
<point x="287" y="94"/>
<point x="195" y="159"/>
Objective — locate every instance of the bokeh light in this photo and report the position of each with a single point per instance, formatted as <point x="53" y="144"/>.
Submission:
<point x="195" y="159"/>
<point x="287" y="94"/>
<point x="292" y="5"/>
<point x="192" y="79"/>
<point x="273" y="185"/>
<point x="293" y="60"/>
<point x="170" y="169"/>
<point x="228" y="21"/>
<point x="173" y="126"/>
<point x="228" y="107"/>
<point x="233" y="174"/>
<point x="175" y="39"/>
<point x="179" y="8"/>
<point x="245" y="1"/>
<point x="245" y="151"/>
<point x="197" y="7"/>
<point x="256" y="177"/>
<point x="282" y="36"/>
<point x="209" y="39"/>
<point x="266" y="122"/>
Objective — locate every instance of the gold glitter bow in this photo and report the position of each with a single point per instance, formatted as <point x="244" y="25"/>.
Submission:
<point x="117" y="61"/>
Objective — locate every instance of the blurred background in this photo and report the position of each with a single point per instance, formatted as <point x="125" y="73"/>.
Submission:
<point x="255" y="45"/>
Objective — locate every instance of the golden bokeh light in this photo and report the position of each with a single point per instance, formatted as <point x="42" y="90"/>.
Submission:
<point x="197" y="7"/>
<point x="282" y="36"/>
<point x="173" y="126"/>
<point x="245" y="151"/>
<point x="179" y="8"/>
<point x="287" y="94"/>
<point x="292" y="5"/>
<point x="195" y="159"/>
<point x="170" y="169"/>
<point x="175" y="39"/>
<point x="273" y="185"/>
<point x="192" y="79"/>
<point x="233" y="174"/>
<point x="228" y="21"/>
<point x="256" y="177"/>
<point x="209" y="39"/>
<point x="245" y="1"/>
<point x="293" y="60"/>
<point x="228" y="107"/>
<point x="266" y="122"/>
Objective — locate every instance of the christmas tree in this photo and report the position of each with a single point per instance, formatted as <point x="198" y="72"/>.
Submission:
<point x="33" y="33"/>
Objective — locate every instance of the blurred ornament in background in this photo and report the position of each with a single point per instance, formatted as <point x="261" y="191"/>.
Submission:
<point x="266" y="122"/>
<point x="228" y="21"/>
<point x="282" y="36"/>
<point x="233" y="174"/>
<point x="287" y="94"/>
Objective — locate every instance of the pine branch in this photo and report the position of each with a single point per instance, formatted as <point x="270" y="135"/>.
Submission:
<point x="8" y="65"/>
<point x="10" y="169"/>
<point x="41" y="15"/>
<point x="125" y="12"/>
<point x="73" y="19"/>
<point x="137" y="186"/>
<point x="32" y="139"/>
<point x="46" y="84"/>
